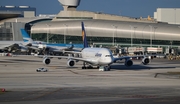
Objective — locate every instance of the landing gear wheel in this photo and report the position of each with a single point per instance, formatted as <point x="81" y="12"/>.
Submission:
<point x="83" y="67"/>
<point x="90" y="67"/>
<point x="108" y="68"/>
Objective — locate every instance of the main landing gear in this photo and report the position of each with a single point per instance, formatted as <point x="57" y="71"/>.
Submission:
<point x="87" y="67"/>
<point x="101" y="68"/>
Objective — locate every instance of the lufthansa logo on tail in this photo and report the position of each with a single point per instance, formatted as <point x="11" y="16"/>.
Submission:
<point x="83" y="35"/>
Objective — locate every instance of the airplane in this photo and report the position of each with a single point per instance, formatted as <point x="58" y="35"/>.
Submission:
<point x="101" y="57"/>
<point x="11" y="46"/>
<point x="48" y="47"/>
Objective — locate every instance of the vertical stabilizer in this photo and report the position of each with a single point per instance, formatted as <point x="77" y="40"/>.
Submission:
<point x="84" y="36"/>
<point x="26" y="37"/>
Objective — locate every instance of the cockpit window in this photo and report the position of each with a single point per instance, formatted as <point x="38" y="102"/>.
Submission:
<point x="108" y="55"/>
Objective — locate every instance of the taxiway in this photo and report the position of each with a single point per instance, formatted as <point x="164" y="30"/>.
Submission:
<point x="66" y="85"/>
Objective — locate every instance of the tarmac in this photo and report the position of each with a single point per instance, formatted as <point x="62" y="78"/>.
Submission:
<point x="157" y="82"/>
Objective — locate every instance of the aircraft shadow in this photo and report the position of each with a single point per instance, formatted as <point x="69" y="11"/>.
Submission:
<point x="116" y="67"/>
<point x="6" y="62"/>
<point x="61" y="67"/>
<point x="137" y="67"/>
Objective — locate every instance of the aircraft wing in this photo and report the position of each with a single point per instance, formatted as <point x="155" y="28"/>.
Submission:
<point x="12" y="46"/>
<point x="67" y="57"/>
<point x="121" y="58"/>
<point x="128" y="57"/>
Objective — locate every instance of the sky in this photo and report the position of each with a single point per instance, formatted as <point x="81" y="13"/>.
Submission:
<point x="130" y="8"/>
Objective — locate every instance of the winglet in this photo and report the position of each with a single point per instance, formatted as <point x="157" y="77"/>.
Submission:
<point x="26" y="37"/>
<point x="84" y="36"/>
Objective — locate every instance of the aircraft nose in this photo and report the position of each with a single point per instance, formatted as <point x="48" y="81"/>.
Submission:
<point x="110" y="60"/>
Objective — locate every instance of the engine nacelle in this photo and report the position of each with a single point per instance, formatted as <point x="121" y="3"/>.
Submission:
<point x="9" y="49"/>
<point x="128" y="62"/>
<point x="71" y="63"/>
<point x="46" y="61"/>
<point x="145" y="60"/>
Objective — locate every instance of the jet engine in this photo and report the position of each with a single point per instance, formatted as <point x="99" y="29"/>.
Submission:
<point x="9" y="49"/>
<point x="46" y="61"/>
<point x="128" y="62"/>
<point x="145" y="60"/>
<point x="71" y="63"/>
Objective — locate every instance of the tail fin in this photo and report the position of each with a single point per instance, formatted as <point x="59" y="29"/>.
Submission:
<point x="26" y="37"/>
<point x="84" y="36"/>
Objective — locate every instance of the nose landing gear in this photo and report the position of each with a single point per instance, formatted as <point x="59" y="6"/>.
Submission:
<point x="104" y="68"/>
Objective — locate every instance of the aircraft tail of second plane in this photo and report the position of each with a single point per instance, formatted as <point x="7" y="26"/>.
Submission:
<point x="26" y="37"/>
<point x="28" y="40"/>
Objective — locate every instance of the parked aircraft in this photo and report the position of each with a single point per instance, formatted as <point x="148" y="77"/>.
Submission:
<point x="48" y="47"/>
<point x="10" y="46"/>
<point x="101" y="57"/>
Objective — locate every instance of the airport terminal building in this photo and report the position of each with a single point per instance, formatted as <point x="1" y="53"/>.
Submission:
<point x="101" y="29"/>
<point x="12" y="18"/>
<point x="109" y="32"/>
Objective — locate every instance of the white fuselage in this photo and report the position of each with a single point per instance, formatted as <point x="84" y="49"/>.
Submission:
<point x="57" y="47"/>
<point x="97" y="56"/>
<point x="52" y="48"/>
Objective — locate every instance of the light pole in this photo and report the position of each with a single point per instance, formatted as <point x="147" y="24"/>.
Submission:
<point x="154" y="32"/>
<point x="91" y="43"/>
<point x="150" y="36"/>
<point x="47" y="33"/>
<point x="115" y="27"/>
<point x="30" y="30"/>
<point x="132" y="34"/>
<point x="64" y="33"/>
<point x="175" y="15"/>
<point x="171" y="43"/>
<point x="134" y="31"/>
